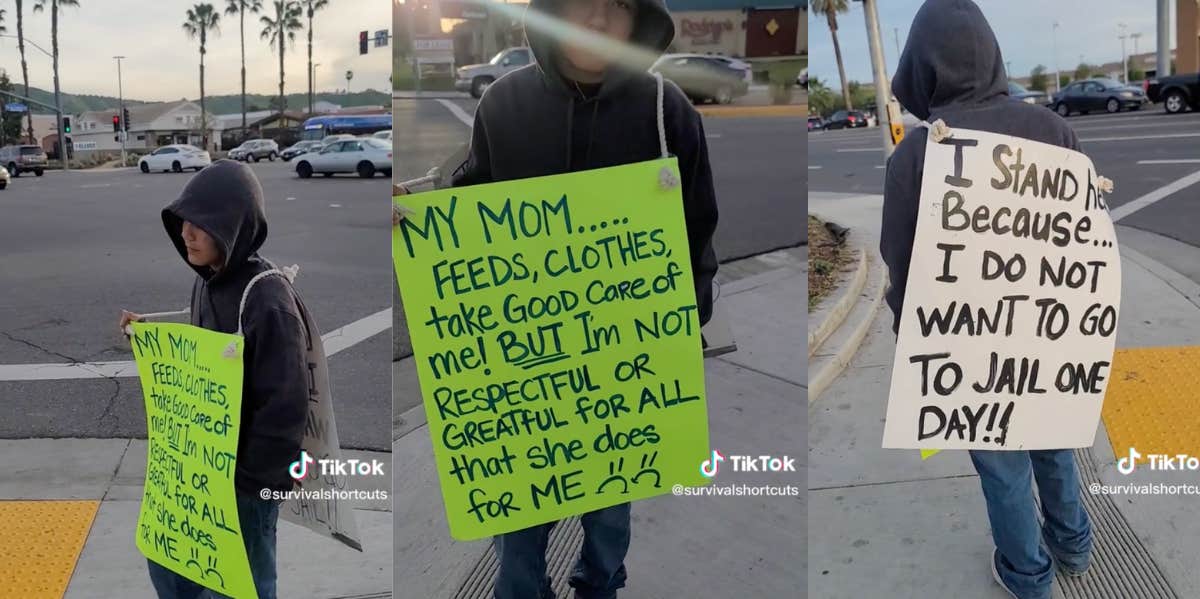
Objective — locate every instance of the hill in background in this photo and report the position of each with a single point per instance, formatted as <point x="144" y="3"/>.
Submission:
<point x="224" y="104"/>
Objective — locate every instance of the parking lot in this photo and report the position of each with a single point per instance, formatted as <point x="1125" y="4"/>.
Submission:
<point x="81" y="246"/>
<point x="1153" y="159"/>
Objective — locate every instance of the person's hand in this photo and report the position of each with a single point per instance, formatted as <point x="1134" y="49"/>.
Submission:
<point x="128" y="317"/>
<point x="397" y="213"/>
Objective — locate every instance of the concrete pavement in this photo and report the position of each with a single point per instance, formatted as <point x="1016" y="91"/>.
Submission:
<point x="682" y="546"/>
<point x="886" y="523"/>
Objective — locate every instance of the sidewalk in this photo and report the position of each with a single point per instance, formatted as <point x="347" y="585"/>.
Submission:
<point x="682" y="547"/>
<point x="89" y="542"/>
<point x="889" y="524"/>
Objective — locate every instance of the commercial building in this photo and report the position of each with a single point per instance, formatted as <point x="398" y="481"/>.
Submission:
<point x="742" y="28"/>
<point x="150" y="126"/>
<point x="1187" y="36"/>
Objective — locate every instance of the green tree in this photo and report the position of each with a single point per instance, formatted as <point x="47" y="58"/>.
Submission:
<point x="39" y="6"/>
<point x="1064" y="79"/>
<point x="280" y="30"/>
<point x="201" y="19"/>
<point x="1038" y="79"/>
<point x="10" y="127"/>
<point x="313" y="6"/>
<point x="821" y="99"/>
<point x="1136" y="74"/>
<point x="1083" y="71"/>
<point x="830" y="8"/>
<point x="240" y="8"/>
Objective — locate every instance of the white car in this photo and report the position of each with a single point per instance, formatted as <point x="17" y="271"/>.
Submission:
<point x="175" y="157"/>
<point x="384" y="135"/>
<point x="363" y="156"/>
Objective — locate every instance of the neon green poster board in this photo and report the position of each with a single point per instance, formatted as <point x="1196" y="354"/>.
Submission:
<point x="189" y="518"/>
<point x="557" y="343"/>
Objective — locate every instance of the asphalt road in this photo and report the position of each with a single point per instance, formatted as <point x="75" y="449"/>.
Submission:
<point x="76" y="248"/>
<point x="1141" y="152"/>
<point x="756" y="164"/>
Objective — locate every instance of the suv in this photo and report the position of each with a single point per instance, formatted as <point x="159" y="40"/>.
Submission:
<point x="476" y="78"/>
<point x="256" y="149"/>
<point x="18" y="159"/>
<point x="1176" y="93"/>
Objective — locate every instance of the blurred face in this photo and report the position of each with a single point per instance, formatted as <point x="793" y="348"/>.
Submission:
<point x="611" y="18"/>
<point x="201" y="249"/>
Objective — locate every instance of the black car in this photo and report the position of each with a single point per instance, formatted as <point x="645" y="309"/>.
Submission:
<point x="846" y="119"/>
<point x="301" y="147"/>
<point x="705" y="77"/>
<point x="815" y="123"/>
<point x="1176" y="93"/>
<point x="1031" y="97"/>
<point x="1094" y="95"/>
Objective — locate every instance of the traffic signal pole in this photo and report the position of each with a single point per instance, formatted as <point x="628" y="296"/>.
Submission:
<point x="887" y="112"/>
<point x="121" y="101"/>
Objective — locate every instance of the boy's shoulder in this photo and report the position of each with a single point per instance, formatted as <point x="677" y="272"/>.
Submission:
<point x="512" y="84"/>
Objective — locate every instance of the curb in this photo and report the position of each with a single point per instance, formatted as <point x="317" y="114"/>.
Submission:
<point x="776" y="110"/>
<point x="817" y="383"/>
<point x="841" y="309"/>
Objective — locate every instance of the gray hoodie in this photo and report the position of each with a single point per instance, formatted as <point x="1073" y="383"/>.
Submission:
<point x="534" y="122"/>
<point x="951" y="69"/>
<point x="226" y="201"/>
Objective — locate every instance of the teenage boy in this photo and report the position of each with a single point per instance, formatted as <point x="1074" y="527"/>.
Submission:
<point x="576" y="109"/>
<point x="951" y="69"/>
<point x="217" y="225"/>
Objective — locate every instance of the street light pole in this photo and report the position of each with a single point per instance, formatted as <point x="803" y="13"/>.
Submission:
<point x="1057" y="77"/>
<point x="882" y="87"/>
<point x="1163" y="41"/>
<point x="62" y="141"/>
<point x="121" y="101"/>
<point x="1124" y="63"/>
<point x="1134" y="37"/>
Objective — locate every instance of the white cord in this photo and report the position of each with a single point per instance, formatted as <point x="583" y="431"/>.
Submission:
<point x="662" y="132"/>
<point x="287" y="272"/>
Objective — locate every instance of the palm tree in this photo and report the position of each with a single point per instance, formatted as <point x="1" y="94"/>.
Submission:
<point x="831" y="8"/>
<point x="280" y="30"/>
<point x="24" y="65"/>
<point x="240" y="8"/>
<point x="313" y="6"/>
<point x="201" y="19"/>
<point x="39" y="6"/>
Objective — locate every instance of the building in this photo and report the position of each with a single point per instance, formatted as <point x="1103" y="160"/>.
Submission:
<point x="1187" y="36"/>
<point x="741" y="28"/>
<point x="150" y="126"/>
<point x="267" y="124"/>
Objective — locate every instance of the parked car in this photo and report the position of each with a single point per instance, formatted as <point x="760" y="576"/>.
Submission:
<point x="299" y="148"/>
<point x="385" y="135"/>
<point x="1176" y="93"/>
<point x="1017" y="91"/>
<point x="815" y="123"/>
<point x="3" y="177"/>
<point x="175" y="157"/>
<point x="802" y="78"/>
<point x="23" y="158"/>
<point x="364" y="156"/>
<point x="1093" y="95"/>
<point x="846" y="119"/>
<point x="705" y="77"/>
<point x="328" y="139"/>
<point x="476" y="78"/>
<point x="255" y="149"/>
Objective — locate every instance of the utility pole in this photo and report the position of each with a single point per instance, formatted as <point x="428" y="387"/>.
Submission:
<point x="896" y="37"/>
<point x="1163" y="40"/>
<point x="1124" y="63"/>
<point x="1057" y="77"/>
<point x="121" y="101"/>
<point x="883" y="110"/>
<point x="62" y="137"/>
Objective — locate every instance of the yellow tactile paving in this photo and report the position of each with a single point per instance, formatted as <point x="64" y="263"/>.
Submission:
<point x="1153" y="401"/>
<point x="40" y="542"/>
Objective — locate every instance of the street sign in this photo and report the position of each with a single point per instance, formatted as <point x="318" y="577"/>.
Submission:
<point x="84" y="145"/>
<point x="434" y="50"/>
<point x="15" y="107"/>
<point x="381" y="38"/>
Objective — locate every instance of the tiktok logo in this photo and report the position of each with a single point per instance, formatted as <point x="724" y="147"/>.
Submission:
<point x="299" y="468"/>
<point x="1126" y="465"/>
<point x="709" y="467"/>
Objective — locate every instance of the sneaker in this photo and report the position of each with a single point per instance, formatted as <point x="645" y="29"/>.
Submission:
<point x="1069" y="571"/>
<point x="996" y="575"/>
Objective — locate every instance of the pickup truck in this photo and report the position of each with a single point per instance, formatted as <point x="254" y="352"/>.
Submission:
<point x="1177" y="92"/>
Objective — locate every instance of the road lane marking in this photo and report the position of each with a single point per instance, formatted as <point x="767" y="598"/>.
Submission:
<point x="336" y="341"/>
<point x="1151" y="198"/>
<point x="290" y="199"/>
<point x="815" y="168"/>
<point x="335" y="205"/>
<point x="1174" y="124"/>
<point x="1171" y="161"/>
<point x="456" y="111"/>
<point x="859" y="150"/>
<point x="1136" y="137"/>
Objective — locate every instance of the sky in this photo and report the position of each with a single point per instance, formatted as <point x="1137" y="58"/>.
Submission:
<point x="162" y="63"/>
<point x="1087" y="28"/>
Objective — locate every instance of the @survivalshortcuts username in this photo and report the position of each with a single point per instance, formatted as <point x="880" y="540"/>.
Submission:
<point x="325" y="494"/>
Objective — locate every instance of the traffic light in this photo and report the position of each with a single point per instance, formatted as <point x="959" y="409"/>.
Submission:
<point x="126" y="121"/>
<point x="116" y="123"/>
<point x="66" y="124"/>
<point x="362" y="42"/>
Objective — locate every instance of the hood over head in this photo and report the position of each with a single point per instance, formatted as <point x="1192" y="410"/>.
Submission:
<point x="225" y="200"/>
<point x="951" y="58"/>
<point x="653" y="31"/>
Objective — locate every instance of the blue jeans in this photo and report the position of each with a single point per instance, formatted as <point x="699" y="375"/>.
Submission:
<point x="1023" y="562"/>
<point x="258" y="519"/>
<point x="598" y="573"/>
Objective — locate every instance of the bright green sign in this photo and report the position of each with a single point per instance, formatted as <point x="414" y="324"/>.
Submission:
<point x="189" y="518"/>
<point x="555" y="332"/>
